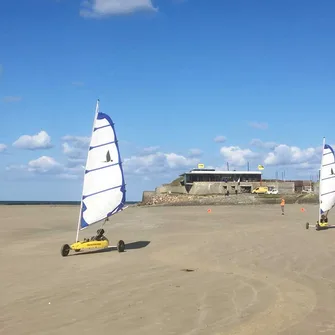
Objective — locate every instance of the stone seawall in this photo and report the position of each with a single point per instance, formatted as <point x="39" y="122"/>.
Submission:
<point x="152" y="198"/>
<point x="221" y="188"/>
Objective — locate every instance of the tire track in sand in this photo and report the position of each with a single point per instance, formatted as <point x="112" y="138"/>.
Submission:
<point x="293" y="302"/>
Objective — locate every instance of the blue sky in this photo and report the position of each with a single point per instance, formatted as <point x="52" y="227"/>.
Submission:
<point x="185" y="82"/>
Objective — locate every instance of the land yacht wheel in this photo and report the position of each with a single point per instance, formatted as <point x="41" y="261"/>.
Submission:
<point x="307" y="225"/>
<point x="65" y="250"/>
<point x="121" y="246"/>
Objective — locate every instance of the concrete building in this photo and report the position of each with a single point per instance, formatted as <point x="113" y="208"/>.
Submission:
<point x="221" y="181"/>
<point x="210" y="181"/>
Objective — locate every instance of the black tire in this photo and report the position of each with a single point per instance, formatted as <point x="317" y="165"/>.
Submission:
<point x="307" y="225"/>
<point x="317" y="227"/>
<point x="65" y="250"/>
<point x="121" y="246"/>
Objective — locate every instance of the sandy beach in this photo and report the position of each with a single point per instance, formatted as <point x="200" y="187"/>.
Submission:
<point x="251" y="271"/>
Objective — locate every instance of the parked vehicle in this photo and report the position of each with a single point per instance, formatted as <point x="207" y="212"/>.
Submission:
<point x="273" y="191"/>
<point x="260" y="190"/>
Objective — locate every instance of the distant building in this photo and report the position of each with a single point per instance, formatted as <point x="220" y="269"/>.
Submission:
<point x="205" y="181"/>
<point x="211" y="181"/>
<point x="212" y="175"/>
<point x="232" y="181"/>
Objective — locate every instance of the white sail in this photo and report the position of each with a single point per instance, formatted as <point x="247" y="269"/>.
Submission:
<point x="327" y="179"/>
<point x="104" y="192"/>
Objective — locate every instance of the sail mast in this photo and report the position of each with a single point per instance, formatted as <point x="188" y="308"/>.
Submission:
<point x="81" y="201"/>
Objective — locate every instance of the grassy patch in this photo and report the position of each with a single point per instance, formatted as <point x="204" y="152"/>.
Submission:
<point x="269" y="196"/>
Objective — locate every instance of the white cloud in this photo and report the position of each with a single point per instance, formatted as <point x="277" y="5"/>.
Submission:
<point x="258" y="125"/>
<point x="73" y="152"/>
<point x="237" y="156"/>
<point x="149" y="150"/>
<point x="177" y="161"/>
<point x="263" y="145"/>
<point x="11" y="98"/>
<point x="45" y="166"/>
<point x="147" y="160"/>
<point x="75" y="147"/>
<point x="33" y="142"/>
<point x="220" y="139"/>
<point x="157" y="163"/>
<point x="290" y="155"/>
<point x="305" y="160"/>
<point x="306" y="166"/>
<point x="101" y="8"/>
<point x="75" y="162"/>
<point x="78" y="141"/>
<point x="3" y="147"/>
<point x="194" y="152"/>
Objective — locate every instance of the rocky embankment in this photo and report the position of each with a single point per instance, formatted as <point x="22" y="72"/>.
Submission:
<point x="152" y="199"/>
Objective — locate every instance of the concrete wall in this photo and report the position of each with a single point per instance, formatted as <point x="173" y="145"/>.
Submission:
<point x="205" y="188"/>
<point x="285" y="187"/>
<point x="147" y="195"/>
<point x="171" y="189"/>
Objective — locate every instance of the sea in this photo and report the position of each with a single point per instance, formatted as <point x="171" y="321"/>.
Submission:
<point x="54" y="203"/>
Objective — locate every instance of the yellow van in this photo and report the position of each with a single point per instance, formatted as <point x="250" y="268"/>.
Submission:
<point x="260" y="190"/>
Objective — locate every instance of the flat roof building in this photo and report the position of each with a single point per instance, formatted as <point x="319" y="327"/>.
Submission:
<point x="212" y="175"/>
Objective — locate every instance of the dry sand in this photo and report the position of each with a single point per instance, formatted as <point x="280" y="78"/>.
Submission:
<point x="255" y="272"/>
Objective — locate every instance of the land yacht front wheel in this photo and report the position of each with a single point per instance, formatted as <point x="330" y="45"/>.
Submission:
<point x="65" y="250"/>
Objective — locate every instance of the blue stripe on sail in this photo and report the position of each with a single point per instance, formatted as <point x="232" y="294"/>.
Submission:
<point x="327" y="164"/>
<point x="333" y="176"/>
<point x="97" y="128"/>
<point x="100" y="168"/>
<point x="327" y="193"/>
<point x="102" y="116"/>
<point x="119" y="207"/>
<point x="83" y="223"/>
<point x="105" y="190"/>
<point x="327" y="146"/>
<point x="101" y="145"/>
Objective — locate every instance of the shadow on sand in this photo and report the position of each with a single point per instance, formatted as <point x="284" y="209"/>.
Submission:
<point x="129" y="246"/>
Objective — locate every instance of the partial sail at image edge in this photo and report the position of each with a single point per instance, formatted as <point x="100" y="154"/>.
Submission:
<point x="327" y="179"/>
